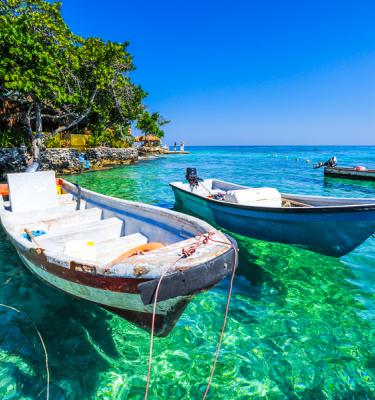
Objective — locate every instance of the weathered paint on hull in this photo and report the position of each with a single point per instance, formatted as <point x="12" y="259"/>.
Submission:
<point x="126" y="305"/>
<point x="330" y="233"/>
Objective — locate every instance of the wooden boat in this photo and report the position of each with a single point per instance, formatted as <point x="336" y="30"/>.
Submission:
<point x="328" y="225"/>
<point x="350" y="173"/>
<point x="110" y="251"/>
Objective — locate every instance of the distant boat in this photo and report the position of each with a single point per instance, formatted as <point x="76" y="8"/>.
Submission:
<point x="358" y="172"/>
<point x="327" y="225"/>
<point x="112" y="252"/>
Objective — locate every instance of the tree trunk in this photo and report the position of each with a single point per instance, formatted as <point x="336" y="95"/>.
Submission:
<point x="39" y="132"/>
<point x="32" y="137"/>
<point x="77" y="120"/>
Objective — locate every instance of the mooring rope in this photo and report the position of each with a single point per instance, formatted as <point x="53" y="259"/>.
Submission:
<point x="186" y="252"/>
<point x="209" y="191"/>
<point x="225" y="318"/>
<point x="41" y="340"/>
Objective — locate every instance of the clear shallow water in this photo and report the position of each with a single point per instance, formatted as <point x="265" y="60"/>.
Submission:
<point x="301" y="326"/>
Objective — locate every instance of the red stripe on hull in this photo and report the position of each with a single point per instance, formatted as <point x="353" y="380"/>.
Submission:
<point x="114" y="284"/>
<point x="164" y="323"/>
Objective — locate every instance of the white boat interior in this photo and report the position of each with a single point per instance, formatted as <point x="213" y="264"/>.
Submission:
<point x="94" y="228"/>
<point x="226" y="192"/>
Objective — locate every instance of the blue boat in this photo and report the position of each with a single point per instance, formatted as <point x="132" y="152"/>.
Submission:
<point x="327" y="225"/>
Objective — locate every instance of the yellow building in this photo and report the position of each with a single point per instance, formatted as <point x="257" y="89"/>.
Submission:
<point x="77" y="141"/>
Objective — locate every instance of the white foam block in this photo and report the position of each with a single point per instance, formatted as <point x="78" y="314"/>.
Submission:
<point x="267" y="197"/>
<point x="32" y="191"/>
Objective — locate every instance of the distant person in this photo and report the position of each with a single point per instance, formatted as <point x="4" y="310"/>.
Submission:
<point x="175" y="146"/>
<point x="182" y="146"/>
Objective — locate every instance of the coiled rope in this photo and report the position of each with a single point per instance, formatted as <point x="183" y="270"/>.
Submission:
<point x="187" y="252"/>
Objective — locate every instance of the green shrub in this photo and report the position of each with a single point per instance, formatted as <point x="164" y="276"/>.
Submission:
<point x="11" y="138"/>
<point x="109" y="138"/>
<point x="53" y="142"/>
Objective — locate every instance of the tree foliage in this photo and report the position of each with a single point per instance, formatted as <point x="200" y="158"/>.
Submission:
<point x="151" y="123"/>
<point x="61" y="80"/>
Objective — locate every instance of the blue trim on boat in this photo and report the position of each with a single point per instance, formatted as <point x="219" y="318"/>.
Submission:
<point x="290" y="210"/>
<point x="331" y="230"/>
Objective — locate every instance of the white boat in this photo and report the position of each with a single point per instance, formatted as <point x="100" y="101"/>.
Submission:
<point x="328" y="225"/>
<point x="110" y="251"/>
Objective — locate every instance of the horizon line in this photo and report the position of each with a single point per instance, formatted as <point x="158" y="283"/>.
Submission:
<point x="279" y="145"/>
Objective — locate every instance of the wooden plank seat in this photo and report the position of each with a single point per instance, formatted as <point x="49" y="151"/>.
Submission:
<point x="54" y="224"/>
<point x="110" y="228"/>
<point x="35" y="216"/>
<point x="62" y="199"/>
<point x="108" y="250"/>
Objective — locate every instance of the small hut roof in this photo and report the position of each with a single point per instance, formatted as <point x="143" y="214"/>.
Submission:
<point x="147" y="138"/>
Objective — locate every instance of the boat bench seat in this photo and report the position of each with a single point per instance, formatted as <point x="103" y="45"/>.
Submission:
<point x="55" y="224"/>
<point x="102" y="251"/>
<point x="109" y="229"/>
<point x="35" y="216"/>
<point x="108" y="250"/>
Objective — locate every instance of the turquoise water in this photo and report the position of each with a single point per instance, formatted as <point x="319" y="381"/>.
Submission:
<point x="301" y="325"/>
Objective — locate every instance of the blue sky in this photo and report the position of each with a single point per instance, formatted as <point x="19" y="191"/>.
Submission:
<point x="247" y="72"/>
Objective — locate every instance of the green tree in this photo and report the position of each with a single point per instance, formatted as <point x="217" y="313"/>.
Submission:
<point x="151" y="124"/>
<point x="55" y="76"/>
<point x="33" y="43"/>
<point x="105" y="86"/>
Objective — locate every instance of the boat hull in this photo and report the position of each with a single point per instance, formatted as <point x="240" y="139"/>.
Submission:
<point x="132" y="298"/>
<point x="127" y="305"/>
<point x="327" y="230"/>
<point x="349" y="173"/>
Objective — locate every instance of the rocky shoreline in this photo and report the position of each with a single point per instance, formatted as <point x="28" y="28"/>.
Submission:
<point x="66" y="160"/>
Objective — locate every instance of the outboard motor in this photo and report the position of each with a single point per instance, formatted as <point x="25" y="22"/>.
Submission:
<point x="192" y="177"/>
<point x="332" y="162"/>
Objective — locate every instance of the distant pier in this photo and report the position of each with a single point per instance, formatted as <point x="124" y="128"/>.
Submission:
<point x="176" y="152"/>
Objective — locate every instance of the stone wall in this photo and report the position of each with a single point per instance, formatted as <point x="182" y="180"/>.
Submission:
<point x="13" y="160"/>
<point x="65" y="161"/>
<point x="104" y="156"/>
